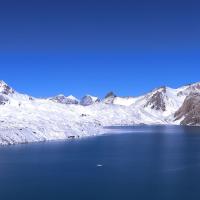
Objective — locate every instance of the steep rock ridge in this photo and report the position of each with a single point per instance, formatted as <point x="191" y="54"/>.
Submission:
<point x="89" y="100"/>
<point x="109" y="98"/>
<point x="65" y="100"/>
<point x="156" y="99"/>
<point x="8" y="95"/>
<point x="189" y="113"/>
<point x="186" y="90"/>
<point x="5" y="89"/>
<point x="163" y="101"/>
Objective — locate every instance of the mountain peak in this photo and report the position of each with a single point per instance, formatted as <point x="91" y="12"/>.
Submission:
<point x="194" y="83"/>
<point x="160" y="89"/>
<point x="65" y="100"/>
<point x="5" y="89"/>
<point x="89" y="100"/>
<point x="187" y="89"/>
<point x="110" y="94"/>
<point x="2" y="83"/>
<point x="72" y="97"/>
<point x="109" y="98"/>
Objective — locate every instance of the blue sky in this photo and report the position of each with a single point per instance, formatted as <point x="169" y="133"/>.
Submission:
<point x="92" y="46"/>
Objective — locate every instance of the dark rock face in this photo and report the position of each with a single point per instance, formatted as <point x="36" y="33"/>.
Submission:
<point x="3" y="100"/>
<point x="64" y="100"/>
<point x="156" y="101"/>
<point x="109" y="98"/>
<point x="89" y="100"/>
<point x="190" y="110"/>
<point x="110" y="94"/>
<point x="31" y="98"/>
<point x="7" y="90"/>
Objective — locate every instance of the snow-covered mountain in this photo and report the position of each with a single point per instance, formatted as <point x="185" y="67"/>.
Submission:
<point x="5" y="89"/>
<point x="65" y="100"/>
<point x="109" y="98"/>
<point x="89" y="100"/>
<point x="27" y="119"/>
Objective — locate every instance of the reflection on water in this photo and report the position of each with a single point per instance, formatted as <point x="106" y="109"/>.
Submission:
<point x="143" y="162"/>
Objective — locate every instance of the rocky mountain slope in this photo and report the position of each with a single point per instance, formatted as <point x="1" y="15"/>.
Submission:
<point x="189" y="112"/>
<point x="27" y="119"/>
<point x="89" y="100"/>
<point x="65" y="100"/>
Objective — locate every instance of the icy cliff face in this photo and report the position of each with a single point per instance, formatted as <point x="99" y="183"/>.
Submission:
<point x="26" y="119"/>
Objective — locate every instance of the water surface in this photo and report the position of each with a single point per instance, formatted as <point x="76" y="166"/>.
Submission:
<point x="144" y="162"/>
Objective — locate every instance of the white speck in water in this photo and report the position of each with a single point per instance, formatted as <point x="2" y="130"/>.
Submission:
<point x="99" y="165"/>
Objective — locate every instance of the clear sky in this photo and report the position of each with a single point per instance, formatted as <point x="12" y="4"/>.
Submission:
<point x="94" y="46"/>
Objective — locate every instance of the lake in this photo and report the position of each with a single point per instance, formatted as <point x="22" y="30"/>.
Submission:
<point x="142" y="162"/>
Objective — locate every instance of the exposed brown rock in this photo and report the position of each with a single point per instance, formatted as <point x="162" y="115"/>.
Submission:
<point x="156" y="100"/>
<point x="190" y="110"/>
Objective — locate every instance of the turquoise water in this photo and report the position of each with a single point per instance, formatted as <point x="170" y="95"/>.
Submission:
<point x="145" y="162"/>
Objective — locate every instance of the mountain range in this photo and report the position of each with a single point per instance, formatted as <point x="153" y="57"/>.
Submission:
<point x="24" y="118"/>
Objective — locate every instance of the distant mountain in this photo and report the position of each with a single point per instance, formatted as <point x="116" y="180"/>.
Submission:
<point x="89" y="100"/>
<point x="109" y="98"/>
<point x="5" y="89"/>
<point x="65" y="100"/>
<point x="27" y="119"/>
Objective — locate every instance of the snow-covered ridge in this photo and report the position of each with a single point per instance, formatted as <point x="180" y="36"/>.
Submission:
<point x="89" y="100"/>
<point x="65" y="99"/>
<point x="27" y="119"/>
